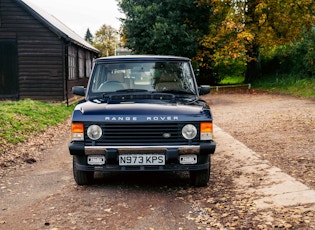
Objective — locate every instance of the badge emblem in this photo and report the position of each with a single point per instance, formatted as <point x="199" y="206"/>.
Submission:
<point x="166" y="135"/>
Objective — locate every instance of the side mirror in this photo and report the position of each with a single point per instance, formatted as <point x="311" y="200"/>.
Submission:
<point x="78" y="90"/>
<point x="204" y="89"/>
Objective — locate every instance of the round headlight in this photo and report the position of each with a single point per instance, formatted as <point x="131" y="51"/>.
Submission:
<point x="94" y="132"/>
<point x="189" y="132"/>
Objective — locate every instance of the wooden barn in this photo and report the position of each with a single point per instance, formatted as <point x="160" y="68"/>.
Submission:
<point x="40" y="57"/>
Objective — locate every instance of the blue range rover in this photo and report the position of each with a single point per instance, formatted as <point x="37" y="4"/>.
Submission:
<point x="142" y="113"/>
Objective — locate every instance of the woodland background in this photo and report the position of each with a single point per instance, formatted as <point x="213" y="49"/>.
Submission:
<point x="253" y="41"/>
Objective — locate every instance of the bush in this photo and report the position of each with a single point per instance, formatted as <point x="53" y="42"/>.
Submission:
<point x="218" y="74"/>
<point x="298" y="58"/>
<point x="292" y="84"/>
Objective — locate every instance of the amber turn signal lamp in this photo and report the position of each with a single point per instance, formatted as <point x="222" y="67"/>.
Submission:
<point x="77" y="128"/>
<point x="206" y="127"/>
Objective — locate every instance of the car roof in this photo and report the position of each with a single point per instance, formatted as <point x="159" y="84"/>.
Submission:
<point x="141" y="58"/>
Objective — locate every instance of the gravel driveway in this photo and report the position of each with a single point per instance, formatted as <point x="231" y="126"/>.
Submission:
<point x="38" y="192"/>
<point x="279" y="128"/>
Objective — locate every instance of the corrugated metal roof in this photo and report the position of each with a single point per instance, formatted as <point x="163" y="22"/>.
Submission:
<point x="55" y="25"/>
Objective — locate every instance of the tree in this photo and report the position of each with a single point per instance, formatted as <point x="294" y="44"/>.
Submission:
<point x="223" y="47"/>
<point x="88" y="36"/>
<point x="238" y="29"/>
<point x="106" y="40"/>
<point x="169" y="27"/>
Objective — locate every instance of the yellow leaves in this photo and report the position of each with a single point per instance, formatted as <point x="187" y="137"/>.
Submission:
<point x="261" y="7"/>
<point x="262" y="19"/>
<point x="230" y="26"/>
<point x="245" y="35"/>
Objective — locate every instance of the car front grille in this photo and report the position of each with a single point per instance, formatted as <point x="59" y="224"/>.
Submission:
<point x="128" y="134"/>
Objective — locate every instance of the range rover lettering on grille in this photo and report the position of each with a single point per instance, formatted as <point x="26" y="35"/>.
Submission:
<point x="149" y="118"/>
<point x="164" y="118"/>
<point x="121" y="118"/>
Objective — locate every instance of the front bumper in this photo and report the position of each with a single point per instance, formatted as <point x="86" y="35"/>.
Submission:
<point x="78" y="148"/>
<point x="171" y="152"/>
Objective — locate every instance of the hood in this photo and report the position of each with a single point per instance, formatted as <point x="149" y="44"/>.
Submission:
<point x="140" y="112"/>
<point x="90" y="108"/>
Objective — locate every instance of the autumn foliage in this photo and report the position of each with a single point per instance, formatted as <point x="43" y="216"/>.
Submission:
<point x="239" y="29"/>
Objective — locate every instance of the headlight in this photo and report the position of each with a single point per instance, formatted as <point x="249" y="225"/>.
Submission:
<point x="189" y="132"/>
<point x="94" y="132"/>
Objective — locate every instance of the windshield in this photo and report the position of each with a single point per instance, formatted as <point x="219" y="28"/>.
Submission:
<point x="152" y="76"/>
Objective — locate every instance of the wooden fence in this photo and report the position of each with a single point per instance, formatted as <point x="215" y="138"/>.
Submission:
<point x="242" y="88"/>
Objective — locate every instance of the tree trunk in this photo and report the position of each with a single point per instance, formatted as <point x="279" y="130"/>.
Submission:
<point x="253" y="70"/>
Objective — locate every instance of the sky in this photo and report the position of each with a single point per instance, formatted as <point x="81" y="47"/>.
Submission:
<point x="79" y="15"/>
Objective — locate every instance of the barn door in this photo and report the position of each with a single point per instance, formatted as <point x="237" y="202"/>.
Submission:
<point x="9" y="87"/>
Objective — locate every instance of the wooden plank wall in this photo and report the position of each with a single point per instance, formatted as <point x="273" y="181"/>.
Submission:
<point x="40" y="53"/>
<point x="42" y="64"/>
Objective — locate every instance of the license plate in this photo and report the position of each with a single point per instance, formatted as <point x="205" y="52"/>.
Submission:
<point x="188" y="159"/>
<point x="141" y="159"/>
<point x="96" y="160"/>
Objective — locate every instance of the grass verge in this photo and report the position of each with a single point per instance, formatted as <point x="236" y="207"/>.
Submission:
<point x="24" y="118"/>
<point x="287" y="84"/>
<point x="290" y="84"/>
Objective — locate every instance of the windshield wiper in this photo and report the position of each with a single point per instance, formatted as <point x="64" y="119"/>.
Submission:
<point x="131" y="90"/>
<point x="177" y="91"/>
<point x="99" y="99"/>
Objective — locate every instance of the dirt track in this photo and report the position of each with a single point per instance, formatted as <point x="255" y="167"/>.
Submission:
<point x="280" y="129"/>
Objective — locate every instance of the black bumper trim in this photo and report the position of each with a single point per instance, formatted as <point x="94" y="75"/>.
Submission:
<point x="164" y="168"/>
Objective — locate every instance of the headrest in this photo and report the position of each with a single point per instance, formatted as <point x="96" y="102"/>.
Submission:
<point x="171" y="77"/>
<point x="115" y="77"/>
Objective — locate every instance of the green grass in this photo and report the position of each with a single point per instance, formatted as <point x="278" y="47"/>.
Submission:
<point x="296" y="85"/>
<point x="25" y="118"/>
<point x="287" y="84"/>
<point x="232" y="80"/>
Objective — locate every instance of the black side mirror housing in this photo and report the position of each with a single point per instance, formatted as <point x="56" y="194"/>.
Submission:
<point x="204" y="89"/>
<point x="79" y="90"/>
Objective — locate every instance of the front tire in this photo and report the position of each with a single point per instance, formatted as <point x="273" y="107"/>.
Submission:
<point x="200" y="178"/>
<point x="81" y="177"/>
